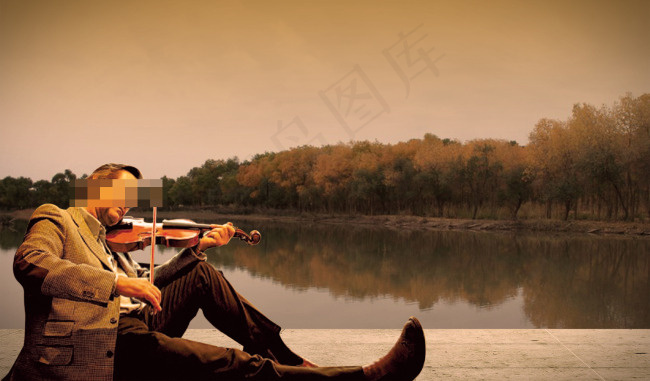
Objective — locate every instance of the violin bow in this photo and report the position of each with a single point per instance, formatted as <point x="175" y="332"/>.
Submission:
<point x="153" y="245"/>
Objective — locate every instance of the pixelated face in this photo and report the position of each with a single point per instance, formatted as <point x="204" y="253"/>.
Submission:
<point x="110" y="199"/>
<point x="113" y="192"/>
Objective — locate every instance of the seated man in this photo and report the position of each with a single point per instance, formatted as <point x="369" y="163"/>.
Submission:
<point x="85" y="319"/>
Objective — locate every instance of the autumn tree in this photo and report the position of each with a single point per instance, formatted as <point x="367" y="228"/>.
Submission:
<point x="516" y="177"/>
<point x="481" y="173"/>
<point x="554" y="161"/>
<point x="332" y="173"/>
<point x="632" y="122"/>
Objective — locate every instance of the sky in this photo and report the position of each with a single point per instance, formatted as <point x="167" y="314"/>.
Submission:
<point x="166" y="85"/>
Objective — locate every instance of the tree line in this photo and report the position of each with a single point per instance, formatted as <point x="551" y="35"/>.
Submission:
<point x="593" y="165"/>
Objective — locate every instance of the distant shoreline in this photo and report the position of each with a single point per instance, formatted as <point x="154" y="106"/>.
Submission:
<point x="638" y="229"/>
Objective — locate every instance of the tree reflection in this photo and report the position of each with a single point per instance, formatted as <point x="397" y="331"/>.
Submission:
<point x="588" y="283"/>
<point x="11" y="233"/>
<point x="567" y="281"/>
<point x="563" y="281"/>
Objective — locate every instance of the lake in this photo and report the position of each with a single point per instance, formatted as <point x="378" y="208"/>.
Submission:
<point x="341" y="276"/>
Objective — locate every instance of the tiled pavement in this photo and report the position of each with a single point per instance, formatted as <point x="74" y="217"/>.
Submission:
<point x="528" y="354"/>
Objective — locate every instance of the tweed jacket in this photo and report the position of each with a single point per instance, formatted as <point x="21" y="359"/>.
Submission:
<point x="71" y="310"/>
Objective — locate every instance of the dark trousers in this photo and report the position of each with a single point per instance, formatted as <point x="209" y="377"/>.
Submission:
<point x="151" y="347"/>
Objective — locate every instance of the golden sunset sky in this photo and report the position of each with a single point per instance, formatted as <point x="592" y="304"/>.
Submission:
<point x="165" y="85"/>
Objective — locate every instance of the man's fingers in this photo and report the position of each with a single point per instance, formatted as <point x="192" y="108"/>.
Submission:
<point x="154" y="299"/>
<point x="227" y="231"/>
<point x="140" y="288"/>
<point x="154" y="302"/>
<point x="219" y="235"/>
<point x="222" y="234"/>
<point x="156" y="291"/>
<point x="231" y="229"/>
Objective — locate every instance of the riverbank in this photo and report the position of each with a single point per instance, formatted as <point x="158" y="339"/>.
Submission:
<point x="638" y="229"/>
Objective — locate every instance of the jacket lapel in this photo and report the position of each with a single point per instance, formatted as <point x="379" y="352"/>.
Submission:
<point x="94" y="246"/>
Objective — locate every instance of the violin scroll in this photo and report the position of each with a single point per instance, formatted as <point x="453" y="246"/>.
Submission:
<point x="252" y="238"/>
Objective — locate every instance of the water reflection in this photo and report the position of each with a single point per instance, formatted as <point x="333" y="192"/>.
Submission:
<point x="450" y="279"/>
<point x="576" y="281"/>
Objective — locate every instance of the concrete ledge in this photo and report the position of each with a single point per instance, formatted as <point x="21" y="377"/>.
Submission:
<point x="530" y="354"/>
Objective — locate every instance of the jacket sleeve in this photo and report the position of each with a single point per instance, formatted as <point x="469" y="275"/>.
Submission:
<point x="41" y="267"/>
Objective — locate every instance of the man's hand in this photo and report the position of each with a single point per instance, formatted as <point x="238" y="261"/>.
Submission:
<point x="218" y="236"/>
<point x="139" y="288"/>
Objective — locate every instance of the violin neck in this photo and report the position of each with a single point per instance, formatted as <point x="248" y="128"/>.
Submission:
<point x="181" y="224"/>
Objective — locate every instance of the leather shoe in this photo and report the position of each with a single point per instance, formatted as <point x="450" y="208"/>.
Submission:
<point x="405" y="360"/>
<point x="307" y="364"/>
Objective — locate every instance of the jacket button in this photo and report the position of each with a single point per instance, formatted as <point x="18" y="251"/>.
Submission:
<point x="109" y="354"/>
<point x="113" y="320"/>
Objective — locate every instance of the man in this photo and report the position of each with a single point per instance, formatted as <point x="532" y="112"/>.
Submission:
<point x="85" y="319"/>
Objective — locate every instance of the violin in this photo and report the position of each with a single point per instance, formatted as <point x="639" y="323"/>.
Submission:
<point x="135" y="234"/>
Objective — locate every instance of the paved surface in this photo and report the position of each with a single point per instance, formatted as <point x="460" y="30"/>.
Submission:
<point x="528" y="354"/>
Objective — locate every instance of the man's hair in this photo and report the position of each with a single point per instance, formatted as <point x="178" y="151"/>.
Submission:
<point x="110" y="170"/>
